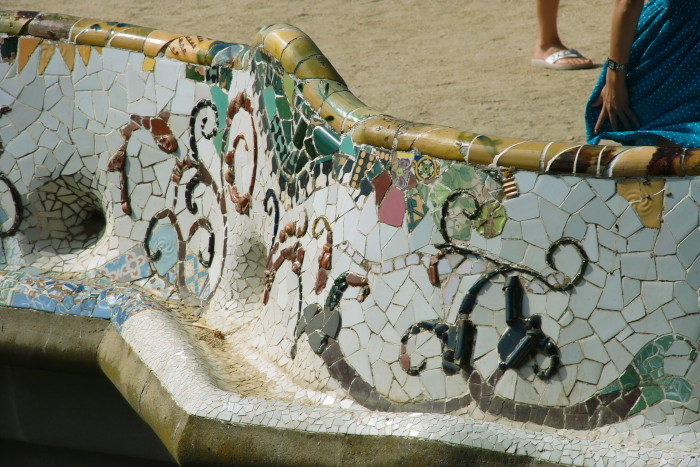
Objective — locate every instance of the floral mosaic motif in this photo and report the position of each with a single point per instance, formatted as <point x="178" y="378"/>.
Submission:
<point x="128" y="267"/>
<point x="425" y="168"/>
<point x="476" y="208"/>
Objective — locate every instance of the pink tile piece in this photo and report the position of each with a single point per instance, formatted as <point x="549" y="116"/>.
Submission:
<point x="393" y="207"/>
<point x="381" y="183"/>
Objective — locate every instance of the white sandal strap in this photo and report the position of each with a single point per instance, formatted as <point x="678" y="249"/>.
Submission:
<point x="568" y="53"/>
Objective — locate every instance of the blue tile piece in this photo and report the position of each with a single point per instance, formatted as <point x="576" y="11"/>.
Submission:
<point x="643" y="240"/>
<point x="631" y="288"/>
<point x="665" y="244"/>
<point x="578" y="197"/>
<point x="20" y="300"/>
<point x="683" y="217"/>
<point x="553" y="189"/>
<point x="44" y="303"/>
<point x="668" y="268"/>
<point x="688" y="248"/>
<point x="686" y="297"/>
<point x="553" y="219"/>
<point x="526" y="180"/>
<point x="605" y="188"/>
<point x="523" y="207"/>
<point x="638" y="266"/>
<point x="629" y="222"/>
<point x="677" y="189"/>
<point x="575" y="227"/>
<point x="693" y="275"/>
<point x="102" y="310"/>
<point x="164" y="239"/>
<point x="656" y="294"/>
<point x="597" y="212"/>
<point x="87" y="306"/>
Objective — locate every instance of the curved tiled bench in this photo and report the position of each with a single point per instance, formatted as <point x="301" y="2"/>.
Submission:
<point x="527" y="297"/>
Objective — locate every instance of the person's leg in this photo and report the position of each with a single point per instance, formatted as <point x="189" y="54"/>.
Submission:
<point x="548" y="41"/>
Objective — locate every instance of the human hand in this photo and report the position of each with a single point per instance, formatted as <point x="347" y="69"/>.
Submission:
<point x="614" y="104"/>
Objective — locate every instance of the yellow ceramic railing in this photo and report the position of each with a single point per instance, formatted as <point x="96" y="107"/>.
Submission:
<point x="327" y="94"/>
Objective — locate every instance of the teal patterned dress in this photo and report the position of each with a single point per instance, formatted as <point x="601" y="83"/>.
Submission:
<point x="663" y="78"/>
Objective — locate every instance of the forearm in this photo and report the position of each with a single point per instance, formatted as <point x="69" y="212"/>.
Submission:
<point x="614" y="98"/>
<point x="624" y="25"/>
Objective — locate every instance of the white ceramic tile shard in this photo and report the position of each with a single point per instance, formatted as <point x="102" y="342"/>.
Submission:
<point x="609" y="291"/>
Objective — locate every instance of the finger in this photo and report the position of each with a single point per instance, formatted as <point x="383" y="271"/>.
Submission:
<point x="602" y="118"/>
<point x="598" y="102"/>
<point x="624" y="120"/>
<point x="613" y="120"/>
<point x="634" y="118"/>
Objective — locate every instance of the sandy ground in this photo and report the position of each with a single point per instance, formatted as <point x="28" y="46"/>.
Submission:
<point x="461" y="63"/>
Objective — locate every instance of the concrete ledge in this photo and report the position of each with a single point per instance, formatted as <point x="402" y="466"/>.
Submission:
<point x="194" y="440"/>
<point x="39" y="339"/>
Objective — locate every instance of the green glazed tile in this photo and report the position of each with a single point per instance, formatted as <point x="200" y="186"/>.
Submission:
<point x="220" y="99"/>
<point x="192" y="73"/>
<point x="300" y="132"/>
<point x="301" y="162"/>
<point x="287" y="129"/>
<point x="283" y="109"/>
<point x="270" y="101"/>
<point x="647" y="351"/>
<point x="665" y="342"/>
<point x="310" y="148"/>
<point x="678" y="389"/>
<point x="288" y="86"/>
<point x="343" y="102"/>
<point x="638" y="407"/>
<point x="629" y="379"/>
<point x="326" y="142"/>
<point x="375" y="170"/>
<point x="613" y="387"/>
<point x="316" y="91"/>
<point x="225" y="78"/>
<point x="491" y="219"/>
<point x="652" y="368"/>
<point x="652" y="394"/>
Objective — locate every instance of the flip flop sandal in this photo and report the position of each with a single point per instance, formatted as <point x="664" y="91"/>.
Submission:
<point x="551" y="61"/>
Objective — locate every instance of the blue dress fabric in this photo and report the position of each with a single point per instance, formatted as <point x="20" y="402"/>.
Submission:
<point x="663" y="78"/>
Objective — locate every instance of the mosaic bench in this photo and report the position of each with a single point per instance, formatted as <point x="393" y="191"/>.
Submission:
<point x="275" y="254"/>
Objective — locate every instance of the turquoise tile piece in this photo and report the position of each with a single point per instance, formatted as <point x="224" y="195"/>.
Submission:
<point x="270" y="102"/>
<point x="164" y="239"/>
<point x="347" y="147"/>
<point x="326" y="141"/>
